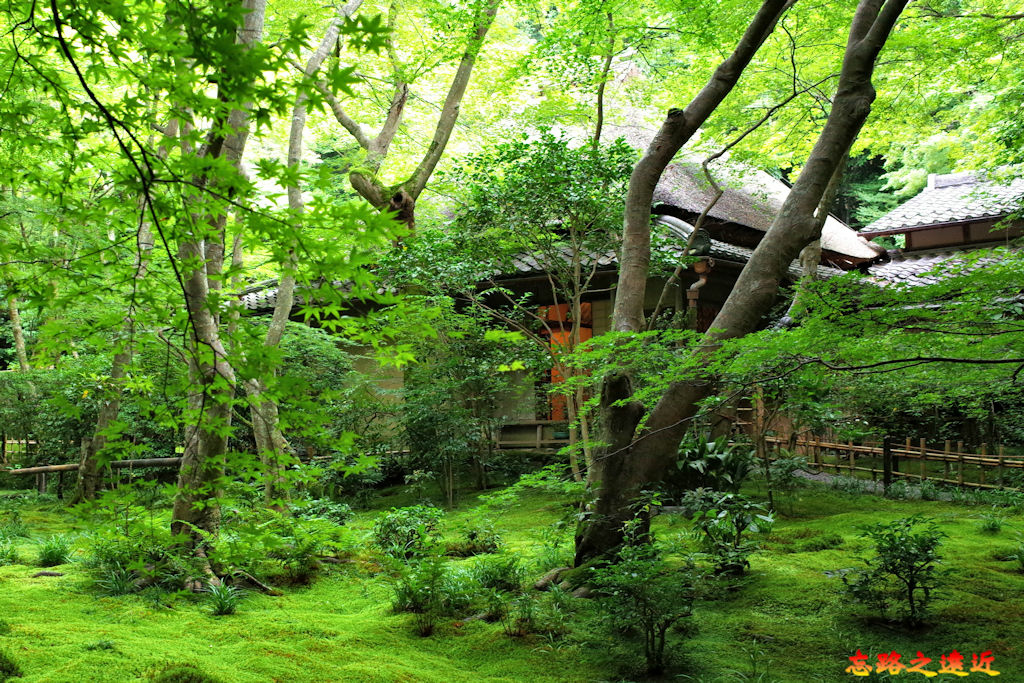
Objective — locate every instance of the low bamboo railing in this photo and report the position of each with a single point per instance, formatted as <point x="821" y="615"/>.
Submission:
<point x="991" y="468"/>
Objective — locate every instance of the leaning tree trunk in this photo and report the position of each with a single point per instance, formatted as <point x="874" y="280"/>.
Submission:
<point x="633" y="461"/>
<point x="196" y="510"/>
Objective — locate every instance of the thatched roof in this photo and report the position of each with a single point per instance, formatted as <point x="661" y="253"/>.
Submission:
<point x="751" y="198"/>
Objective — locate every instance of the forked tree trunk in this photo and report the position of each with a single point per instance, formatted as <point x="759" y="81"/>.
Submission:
<point x="196" y="510"/>
<point x="633" y="461"/>
<point x="401" y="198"/>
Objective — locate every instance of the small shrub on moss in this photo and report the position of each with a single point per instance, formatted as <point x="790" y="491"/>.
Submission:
<point x="54" y="550"/>
<point x="500" y="573"/>
<point x="898" y="490"/>
<point x="477" y="540"/>
<point x="640" y="590"/>
<point x="8" y="667"/>
<point x="406" y="532"/>
<point x="323" y="508"/>
<point x="904" y="570"/>
<point x="184" y="673"/>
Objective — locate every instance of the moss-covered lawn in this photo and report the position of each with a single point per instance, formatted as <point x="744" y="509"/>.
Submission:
<point x="786" y="620"/>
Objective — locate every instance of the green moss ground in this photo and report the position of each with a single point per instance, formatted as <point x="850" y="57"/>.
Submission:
<point x="786" y="617"/>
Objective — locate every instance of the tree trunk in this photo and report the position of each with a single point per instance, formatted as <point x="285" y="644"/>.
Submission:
<point x="632" y="462"/>
<point x="196" y="510"/>
<point x="19" y="334"/>
<point x="271" y="444"/>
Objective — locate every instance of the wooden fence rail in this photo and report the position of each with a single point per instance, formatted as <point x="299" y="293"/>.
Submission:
<point x="43" y="470"/>
<point x="895" y="460"/>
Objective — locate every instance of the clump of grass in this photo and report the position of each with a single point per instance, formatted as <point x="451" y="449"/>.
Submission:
<point x="184" y="673"/>
<point x="54" y="550"/>
<point x="992" y="522"/>
<point x="13" y="526"/>
<point x="8" y="667"/>
<point x="223" y="599"/>
<point x="817" y="543"/>
<point x="8" y="553"/>
<point x="117" y="580"/>
<point x="5" y="627"/>
<point x="102" y="645"/>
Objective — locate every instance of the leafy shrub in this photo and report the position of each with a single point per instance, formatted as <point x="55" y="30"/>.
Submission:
<point x="641" y="590"/>
<point x="223" y="599"/>
<point x="184" y="673"/>
<point x="54" y="550"/>
<point x="720" y="524"/>
<point x="555" y="550"/>
<point x="713" y="464"/>
<point x="898" y="490"/>
<point x="8" y="667"/>
<point x="847" y="484"/>
<point x="106" y="645"/>
<point x="427" y="589"/>
<point x="783" y="472"/>
<point x="8" y="553"/>
<point x="518" y="615"/>
<point x="904" y="570"/>
<point x="405" y="532"/>
<point x="817" y="543"/>
<point x="930" y="490"/>
<point x="322" y="508"/>
<point x="480" y="539"/>
<point x="122" y="564"/>
<point x="500" y="573"/>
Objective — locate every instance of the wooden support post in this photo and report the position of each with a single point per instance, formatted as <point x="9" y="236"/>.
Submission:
<point x="1001" y="470"/>
<point x="960" y="463"/>
<point x="924" y="461"/>
<point x="945" y="461"/>
<point x="60" y="485"/>
<point x="850" y="455"/>
<point x="41" y="482"/>
<point x="981" y="464"/>
<point x="540" y="435"/>
<point x="816" y="450"/>
<point x="886" y="463"/>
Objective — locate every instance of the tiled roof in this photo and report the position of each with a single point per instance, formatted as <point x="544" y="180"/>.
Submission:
<point x="924" y="268"/>
<point x="953" y="198"/>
